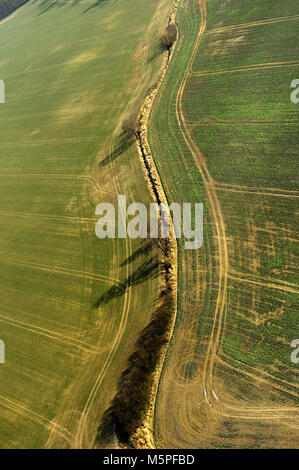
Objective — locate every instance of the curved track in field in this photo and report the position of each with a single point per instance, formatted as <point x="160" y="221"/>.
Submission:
<point x="215" y="210"/>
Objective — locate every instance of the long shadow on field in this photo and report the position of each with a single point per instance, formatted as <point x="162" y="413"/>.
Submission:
<point x="122" y="147"/>
<point x="143" y="250"/>
<point x="156" y="54"/>
<point x="127" y="410"/>
<point x="96" y="4"/>
<point x="46" y="5"/>
<point x="148" y="270"/>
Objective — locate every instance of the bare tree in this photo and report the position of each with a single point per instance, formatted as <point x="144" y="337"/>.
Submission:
<point x="161" y="243"/>
<point x="169" y="37"/>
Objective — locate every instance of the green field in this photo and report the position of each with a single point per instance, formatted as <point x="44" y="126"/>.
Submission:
<point x="230" y="141"/>
<point x="223" y="131"/>
<point x="73" y="71"/>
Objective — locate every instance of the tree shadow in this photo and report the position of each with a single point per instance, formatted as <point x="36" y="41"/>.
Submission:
<point x="96" y="4"/>
<point x="45" y="5"/>
<point x="148" y="270"/>
<point x="122" y="147"/>
<point x="127" y="410"/>
<point x="156" y="54"/>
<point x="143" y="250"/>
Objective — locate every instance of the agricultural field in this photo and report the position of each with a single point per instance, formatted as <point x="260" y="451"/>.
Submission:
<point x="79" y="315"/>
<point x="72" y="306"/>
<point x="230" y="140"/>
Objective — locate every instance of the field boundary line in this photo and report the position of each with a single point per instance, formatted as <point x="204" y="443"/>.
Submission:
<point x="287" y="191"/>
<point x="245" y="68"/>
<point x="66" y="272"/>
<point x="270" y="380"/>
<point x="18" y="408"/>
<point x="223" y="122"/>
<point x="269" y="285"/>
<point x="257" y="278"/>
<point x="263" y="193"/>
<point x="32" y="215"/>
<point x="55" y="336"/>
<point x="253" y="23"/>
